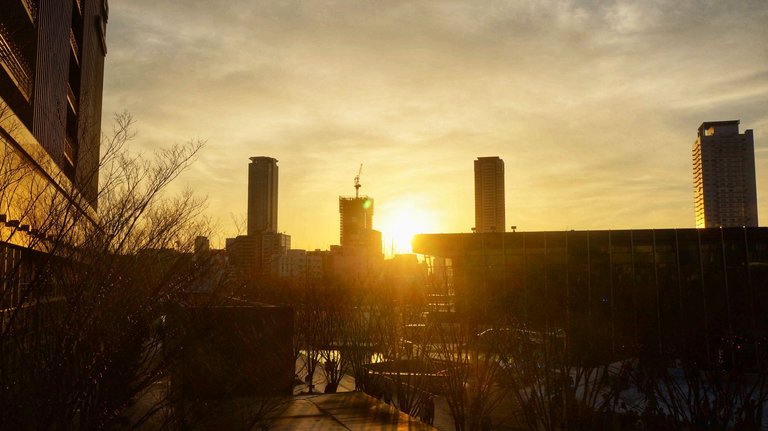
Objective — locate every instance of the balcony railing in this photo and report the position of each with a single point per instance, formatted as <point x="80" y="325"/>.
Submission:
<point x="73" y="45"/>
<point x="13" y="62"/>
<point x="71" y="98"/>
<point x="69" y="155"/>
<point x="31" y="7"/>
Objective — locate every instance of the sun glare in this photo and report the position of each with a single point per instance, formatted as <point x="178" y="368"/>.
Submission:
<point x="399" y="223"/>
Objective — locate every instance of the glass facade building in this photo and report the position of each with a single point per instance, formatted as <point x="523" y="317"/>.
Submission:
<point x="697" y="294"/>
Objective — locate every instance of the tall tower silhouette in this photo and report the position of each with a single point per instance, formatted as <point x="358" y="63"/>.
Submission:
<point x="262" y="195"/>
<point x="489" y="195"/>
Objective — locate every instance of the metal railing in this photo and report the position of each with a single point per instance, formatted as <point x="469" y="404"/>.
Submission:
<point x="13" y="62"/>
<point x="31" y="7"/>
<point x="73" y="45"/>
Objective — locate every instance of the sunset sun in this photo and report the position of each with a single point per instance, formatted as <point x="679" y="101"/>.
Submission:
<point x="399" y="222"/>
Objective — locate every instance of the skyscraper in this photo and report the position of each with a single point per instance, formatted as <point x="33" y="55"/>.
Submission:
<point x="489" y="195"/>
<point x="262" y="195"/>
<point x="725" y="194"/>
<point x="51" y="79"/>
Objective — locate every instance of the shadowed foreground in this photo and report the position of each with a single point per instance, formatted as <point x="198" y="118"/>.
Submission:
<point x="344" y="411"/>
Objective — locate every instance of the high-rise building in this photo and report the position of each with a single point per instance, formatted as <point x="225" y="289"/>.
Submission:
<point x="360" y="254"/>
<point x="262" y="195"/>
<point x="356" y="216"/>
<point x="725" y="194"/>
<point x="51" y="79"/>
<point x="489" y="195"/>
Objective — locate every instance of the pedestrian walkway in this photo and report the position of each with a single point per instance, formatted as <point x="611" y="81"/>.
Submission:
<point x="343" y="411"/>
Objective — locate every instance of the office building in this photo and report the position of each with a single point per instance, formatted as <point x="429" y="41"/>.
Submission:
<point x="301" y="265"/>
<point x="489" y="195"/>
<point x="725" y="193"/>
<point x="51" y="79"/>
<point x="255" y="256"/>
<point x="274" y="246"/>
<point x="244" y="253"/>
<point x="262" y="195"/>
<point x="692" y="294"/>
<point x="356" y="231"/>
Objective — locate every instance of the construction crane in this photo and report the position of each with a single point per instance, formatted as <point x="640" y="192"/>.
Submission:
<point x="357" y="181"/>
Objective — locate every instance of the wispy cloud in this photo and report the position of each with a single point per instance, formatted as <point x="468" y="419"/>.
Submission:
<point x="594" y="105"/>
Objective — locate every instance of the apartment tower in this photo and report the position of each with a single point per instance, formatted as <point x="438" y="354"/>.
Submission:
<point x="489" y="195"/>
<point x="262" y="195"/>
<point x="51" y="79"/>
<point x="725" y="194"/>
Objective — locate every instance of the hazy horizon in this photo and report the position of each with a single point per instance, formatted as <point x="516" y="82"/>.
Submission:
<point x="592" y="105"/>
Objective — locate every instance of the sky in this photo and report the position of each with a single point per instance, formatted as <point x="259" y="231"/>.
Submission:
<point x="593" y="105"/>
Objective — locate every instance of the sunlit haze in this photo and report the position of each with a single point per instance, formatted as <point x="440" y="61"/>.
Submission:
<point x="402" y="219"/>
<point x="593" y="105"/>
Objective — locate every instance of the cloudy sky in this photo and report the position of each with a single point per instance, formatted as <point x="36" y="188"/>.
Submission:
<point x="593" y="105"/>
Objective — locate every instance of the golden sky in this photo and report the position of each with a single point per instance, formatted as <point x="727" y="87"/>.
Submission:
<point x="593" y="105"/>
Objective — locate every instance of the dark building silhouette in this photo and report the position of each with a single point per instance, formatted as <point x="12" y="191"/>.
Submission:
<point x="244" y="252"/>
<point x="360" y="253"/>
<point x="51" y="75"/>
<point x="355" y="220"/>
<point x="695" y="294"/>
<point x="274" y="247"/>
<point x="725" y="192"/>
<point x="52" y="58"/>
<point x="262" y="195"/>
<point x="489" y="195"/>
<point x="256" y="254"/>
<point x="232" y="350"/>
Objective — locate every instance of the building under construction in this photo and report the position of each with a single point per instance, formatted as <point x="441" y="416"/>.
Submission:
<point x="356" y="223"/>
<point x="356" y="219"/>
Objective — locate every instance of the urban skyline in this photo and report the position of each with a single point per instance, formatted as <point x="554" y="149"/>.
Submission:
<point x="591" y="106"/>
<point x="603" y="308"/>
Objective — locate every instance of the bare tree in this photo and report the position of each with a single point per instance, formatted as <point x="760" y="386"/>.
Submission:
<point x="241" y="223"/>
<point x="559" y="384"/>
<point x="83" y="289"/>
<point x="701" y="394"/>
<point x="471" y="371"/>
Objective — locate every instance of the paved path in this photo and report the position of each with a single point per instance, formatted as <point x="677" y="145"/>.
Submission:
<point x="343" y="411"/>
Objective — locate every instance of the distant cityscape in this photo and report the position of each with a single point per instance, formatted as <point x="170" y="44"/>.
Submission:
<point x="116" y="313"/>
<point x="725" y="195"/>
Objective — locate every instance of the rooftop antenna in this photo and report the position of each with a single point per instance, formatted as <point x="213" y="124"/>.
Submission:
<point x="357" y="181"/>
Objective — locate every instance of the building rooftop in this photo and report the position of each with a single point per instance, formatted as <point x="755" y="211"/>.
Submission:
<point x="707" y="128"/>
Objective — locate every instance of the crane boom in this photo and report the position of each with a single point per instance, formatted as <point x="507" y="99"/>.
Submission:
<point x="357" y="180"/>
